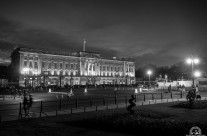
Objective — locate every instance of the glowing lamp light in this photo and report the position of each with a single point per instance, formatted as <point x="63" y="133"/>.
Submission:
<point x="196" y="61"/>
<point x="189" y="61"/>
<point x="197" y="74"/>
<point x="149" y="72"/>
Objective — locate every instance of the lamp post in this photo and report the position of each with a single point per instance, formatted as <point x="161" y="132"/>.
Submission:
<point x="149" y="72"/>
<point x="197" y="74"/>
<point x="192" y="61"/>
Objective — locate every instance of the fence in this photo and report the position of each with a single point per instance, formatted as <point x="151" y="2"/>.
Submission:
<point x="66" y="106"/>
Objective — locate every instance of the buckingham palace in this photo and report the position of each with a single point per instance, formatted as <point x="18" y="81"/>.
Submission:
<point x="35" y="67"/>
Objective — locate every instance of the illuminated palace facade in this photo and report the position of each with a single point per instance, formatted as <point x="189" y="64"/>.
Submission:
<point x="34" y="67"/>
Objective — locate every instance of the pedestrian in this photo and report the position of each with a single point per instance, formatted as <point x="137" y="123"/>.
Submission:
<point x="132" y="104"/>
<point x="25" y="105"/>
<point x="169" y="88"/>
<point x="30" y="101"/>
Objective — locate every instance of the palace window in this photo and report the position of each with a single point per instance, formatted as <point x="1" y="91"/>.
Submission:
<point x="55" y="65"/>
<point x="25" y="63"/>
<point x="104" y="68"/>
<point x="90" y="68"/>
<point x="71" y="66"/>
<point x="61" y="65"/>
<point x="107" y="68"/>
<point x="30" y="65"/>
<point x="36" y="66"/>
<point x="93" y="67"/>
<point x="111" y="68"/>
<point x="66" y="66"/>
<point x="86" y="67"/>
<point x="50" y="65"/>
<point x="43" y="64"/>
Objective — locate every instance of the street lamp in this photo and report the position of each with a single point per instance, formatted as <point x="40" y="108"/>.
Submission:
<point x="192" y="61"/>
<point x="197" y="74"/>
<point x="149" y="72"/>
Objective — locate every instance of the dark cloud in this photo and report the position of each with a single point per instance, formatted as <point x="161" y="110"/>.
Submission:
<point x="159" y="32"/>
<point x="13" y="34"/>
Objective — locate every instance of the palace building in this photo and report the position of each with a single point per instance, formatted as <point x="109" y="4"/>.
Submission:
<point x="34" y="67"/>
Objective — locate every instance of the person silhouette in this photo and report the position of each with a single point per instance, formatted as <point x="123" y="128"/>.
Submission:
<point x="132" y="104"/>
<point x="25" y="105"/>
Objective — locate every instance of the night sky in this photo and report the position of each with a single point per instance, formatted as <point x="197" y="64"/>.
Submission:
<point x="157" y="32"/>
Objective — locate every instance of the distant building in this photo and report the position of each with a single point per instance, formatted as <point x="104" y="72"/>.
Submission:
<point x="4" y="75"/>
<point x="34" y="67"/>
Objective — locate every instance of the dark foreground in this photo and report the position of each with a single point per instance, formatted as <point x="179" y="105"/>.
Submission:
<point x="159" y="119"/>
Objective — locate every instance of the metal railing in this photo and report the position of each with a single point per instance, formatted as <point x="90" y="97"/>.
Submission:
<point x="71" y="105"/>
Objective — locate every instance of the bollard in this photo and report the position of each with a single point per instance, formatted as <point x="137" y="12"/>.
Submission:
<point x="3" y="97"/>
<point x="60" y="104"/>
<point x="126" y="100"/>
<point x="84" y="110"/>
<point x="20" y="110"/>
<point x="104" y="103"/>
<point x="91" y="101"/>
<point x="56" y="112"/>
<point x="152" y="96"/>
<point x="96" y="108"/>
<point x="41" y="110"/>
<point x="76" y="103"/>
<point x="135" y="98"/>
<point x="144" y="97"/>
<point x="171" y="95"/>
<point x="71" y="110"/>
<point x="181" y="95"/>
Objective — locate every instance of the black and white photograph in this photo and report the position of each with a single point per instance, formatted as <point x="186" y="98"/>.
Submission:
<point x="103" y="68"/>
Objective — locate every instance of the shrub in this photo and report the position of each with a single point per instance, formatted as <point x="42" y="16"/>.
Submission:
<point x="195" y="105"/>
<point x="141" y="123"/>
